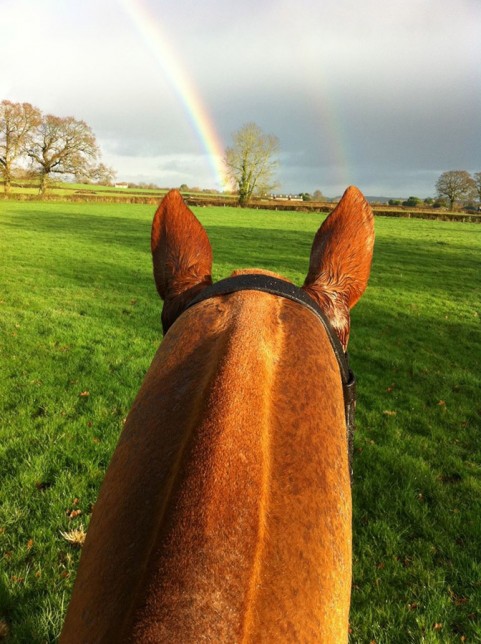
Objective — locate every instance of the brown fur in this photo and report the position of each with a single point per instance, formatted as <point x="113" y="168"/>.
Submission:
<point x="225" y="514"/>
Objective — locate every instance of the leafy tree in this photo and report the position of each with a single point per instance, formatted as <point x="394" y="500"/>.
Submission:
<point x="250" y="162"/>
<point x="411" y="202"/>
<point x="317" y="196"/>
<point x="63" y="146"/>
<point x="455" y="185"/>
<point x="17" y="124"/>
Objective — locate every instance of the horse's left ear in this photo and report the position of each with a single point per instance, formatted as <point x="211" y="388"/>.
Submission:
<point x="182" y="256"/>
<point x="341" y="259"/>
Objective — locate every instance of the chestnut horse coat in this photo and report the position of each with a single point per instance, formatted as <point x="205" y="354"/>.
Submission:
<point x="225" y="514"/>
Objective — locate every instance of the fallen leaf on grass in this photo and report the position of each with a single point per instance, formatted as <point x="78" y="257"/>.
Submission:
<point x="75" y="538"/>
<point x="437" y="626"/>
<point x="73" y="514"/>
<point x="85" y="393"/>
<point x="3" y="630"/>
<point x="457" y="600"/>
<point x="388" y="412"/>
<point x="29" y="544"/>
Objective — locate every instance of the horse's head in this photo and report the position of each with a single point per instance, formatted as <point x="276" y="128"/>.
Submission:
<point x="339" y="265"/>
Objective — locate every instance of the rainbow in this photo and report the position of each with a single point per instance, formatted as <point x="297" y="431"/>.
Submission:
<point x="338" y="149"/>
<point x="156" y="40"/>
<point x="333" y="131"/>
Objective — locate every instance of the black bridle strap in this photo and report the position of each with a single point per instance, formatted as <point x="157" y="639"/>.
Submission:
<point x="281" y="288"/>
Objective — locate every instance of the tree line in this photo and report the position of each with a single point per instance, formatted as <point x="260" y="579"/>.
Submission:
<point x="48" y="145"/>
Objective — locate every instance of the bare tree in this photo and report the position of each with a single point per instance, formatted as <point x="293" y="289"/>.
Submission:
<point x="318" y="196"/>
<point x="455" y="185"/>
<point x="477" y="184"/>
<point x="17" y="124"/>
<point x="250" y="163"/>
<point x="101" y="174"/>
<point x="63" y="146"/>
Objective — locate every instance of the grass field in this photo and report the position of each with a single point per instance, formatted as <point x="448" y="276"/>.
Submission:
<point x="80" y="322"/>
<point x="62" y="189"/>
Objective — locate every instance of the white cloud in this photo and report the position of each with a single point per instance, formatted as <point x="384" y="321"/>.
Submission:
<point x="164" y="170"/>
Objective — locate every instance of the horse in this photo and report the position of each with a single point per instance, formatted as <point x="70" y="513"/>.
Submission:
<point x="225" y="513"/>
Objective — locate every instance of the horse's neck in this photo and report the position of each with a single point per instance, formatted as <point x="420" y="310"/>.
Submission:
<point x="232" y="478"/>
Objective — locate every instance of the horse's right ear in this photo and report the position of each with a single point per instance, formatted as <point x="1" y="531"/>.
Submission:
<point x="182" y="256"/>
<point x="340" y="260"/>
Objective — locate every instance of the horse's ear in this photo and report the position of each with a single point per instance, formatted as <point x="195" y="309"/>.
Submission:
<point x="182" y="256"/>
<point x="340" y="260"/>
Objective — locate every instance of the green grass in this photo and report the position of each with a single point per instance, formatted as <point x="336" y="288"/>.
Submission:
<point x="62" y="189"/>
<point x="80" y="322"/>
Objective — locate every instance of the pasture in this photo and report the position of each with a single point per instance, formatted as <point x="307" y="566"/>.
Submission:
<point x="80" y="322"/>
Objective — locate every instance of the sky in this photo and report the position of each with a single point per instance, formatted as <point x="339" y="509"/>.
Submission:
<point x="382" y="95"/>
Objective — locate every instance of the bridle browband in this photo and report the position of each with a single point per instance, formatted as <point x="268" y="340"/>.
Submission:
<point x="281" y="288"/>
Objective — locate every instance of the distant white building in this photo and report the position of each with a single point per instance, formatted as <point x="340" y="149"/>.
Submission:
<point x="287" y="197"/>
